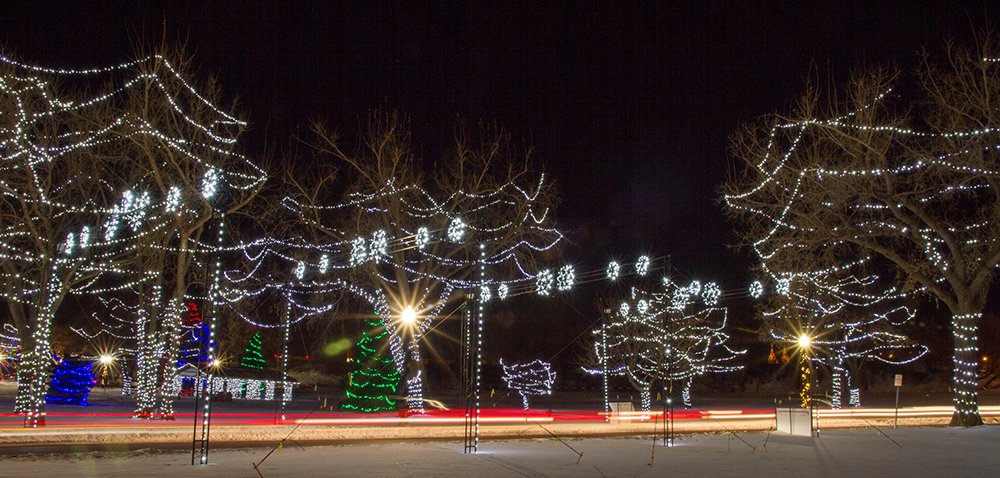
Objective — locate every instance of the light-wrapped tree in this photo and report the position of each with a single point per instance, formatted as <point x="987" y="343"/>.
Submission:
<point x="412" y="241"/>
<point x="660" y="337"/>
<point x="911" y="175"/>
<point x="529" y="379"/>
<point x="841" y="320"/>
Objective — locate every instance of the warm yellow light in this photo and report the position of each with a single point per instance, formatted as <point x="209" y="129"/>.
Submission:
<point x="408" y="316"/>
<point x="106" y="359"/>
<point x="804" y="341"/>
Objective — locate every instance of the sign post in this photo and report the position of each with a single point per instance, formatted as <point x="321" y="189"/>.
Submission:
<point x="898" y="383"/>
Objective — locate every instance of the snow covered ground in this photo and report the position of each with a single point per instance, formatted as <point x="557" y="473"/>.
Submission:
<point x="924" y="452"/>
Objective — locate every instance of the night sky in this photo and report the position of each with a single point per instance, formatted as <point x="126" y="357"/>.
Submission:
<point x="629" y="107"/>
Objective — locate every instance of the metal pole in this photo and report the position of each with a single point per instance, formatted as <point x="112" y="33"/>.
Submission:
<point x="197" y="397"/>
<point x="670" y="441"/>
<point x="206" y="422"/>
<point x="466" y="370"/>
<point x="604" y="362"/>
<point x="896" y="420"/>
<point x="197" y="382"/>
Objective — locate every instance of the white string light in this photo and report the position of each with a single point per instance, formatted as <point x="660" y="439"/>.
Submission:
<point x="530" y="379"/>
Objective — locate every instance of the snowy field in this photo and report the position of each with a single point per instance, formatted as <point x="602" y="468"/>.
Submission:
<point x="924" y="452"/>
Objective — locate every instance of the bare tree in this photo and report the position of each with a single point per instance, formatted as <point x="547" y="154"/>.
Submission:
<point x="412" y="238"/>
<point x="186" y="156"/>
<point x="94" y="180"/>
<point x="656" y="338"/>
<point x="841" y="319"/>
<point x="63" y="225"/>
<point x="911" y="177"/>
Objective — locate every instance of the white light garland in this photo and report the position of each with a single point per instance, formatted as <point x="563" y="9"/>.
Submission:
<point x="534" y="378"/>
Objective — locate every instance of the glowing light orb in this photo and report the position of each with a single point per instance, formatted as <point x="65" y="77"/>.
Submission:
<point x="359" y="252"/>
<point x="324" y="262"/>
<point x="84" y="237"/>
<point x="614" y="270"/>
<point x="642" y="306"/>
<point x="804" y="341"/>
<point x="484" y="294"/>
<point x="111" y="227"/>
<point x="623" y="310"/>
<point x="694" y="288"/>
<point x="106" y="359"/>
<point x="70" y="243"/>
<point x="137" y="210"/>
<point x="756" y="289"/>
<point x="544" y="282"/>
<point x="300" y="270"/>
<point x="502" y="291"/>
<point x="379" y="244"/>
<point x="566" y="278"/>
<point x="711" y="294"/>
<point x="784" y="286"/>
<point x="423" y="237"/>
<point x="173" y="199"/>
<point x="642" y="265"/>
<point x="210" y="184"/>
<point x="456" y="230"/>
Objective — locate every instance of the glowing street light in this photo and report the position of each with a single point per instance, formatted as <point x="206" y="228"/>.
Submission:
<point x="106" y="360"/>
<point x="804" y="341"/>
<point x="408" y="316"/>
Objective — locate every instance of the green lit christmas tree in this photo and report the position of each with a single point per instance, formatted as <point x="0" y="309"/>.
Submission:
<point x="374" y="377"/>
<point x="252" y="357"/>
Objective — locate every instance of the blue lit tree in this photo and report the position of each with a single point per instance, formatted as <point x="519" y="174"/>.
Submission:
<point x="71" y="382"/>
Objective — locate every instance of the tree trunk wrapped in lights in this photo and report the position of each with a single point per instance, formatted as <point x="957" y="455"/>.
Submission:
<point x="911" y="175"/>
<point x="60" y="211"/>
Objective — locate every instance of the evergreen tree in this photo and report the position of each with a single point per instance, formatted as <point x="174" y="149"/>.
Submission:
<point x="374" y="377"/>
<point x="71" y="383"/>
<point x="252" y="357"/>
